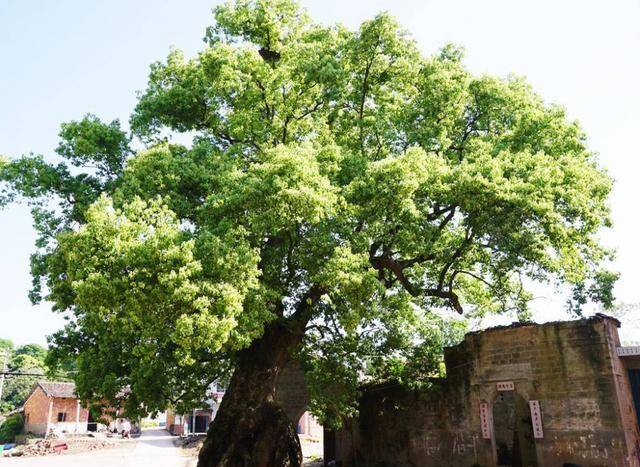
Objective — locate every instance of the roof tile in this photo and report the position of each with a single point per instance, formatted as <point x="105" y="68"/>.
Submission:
<point x="58" y="389"/>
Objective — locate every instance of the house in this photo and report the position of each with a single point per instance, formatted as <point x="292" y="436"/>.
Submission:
<point x="198" y="420"/>
<point x="54" y="405"/>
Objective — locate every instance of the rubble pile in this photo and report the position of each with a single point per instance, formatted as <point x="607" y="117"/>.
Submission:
<point x="190" y="445"/>
<point x="84" y="444"/>
<point x="39" y="448"/>
<point x="192" y="441"/>
<point x="45" y="447"/>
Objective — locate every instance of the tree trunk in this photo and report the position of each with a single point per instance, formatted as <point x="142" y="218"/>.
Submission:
<point x="251" y="429"/>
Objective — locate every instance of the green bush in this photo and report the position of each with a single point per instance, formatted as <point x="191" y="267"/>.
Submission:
<point x="149" y="423"/>
<point x="11" y="427"/>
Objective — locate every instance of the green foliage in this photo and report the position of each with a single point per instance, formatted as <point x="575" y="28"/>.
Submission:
<point x="12" y="426"/>
<point x="17" y="389"/>
<point x="338" y="180"/>
<point x="35" y="351"/>
<point x="6" y="346"/>
<point x="90" y="143"/>
<point x="59" y="194"/>
<point x="28" y="358"/>
<point x="26" y="362"/>
<point x="149" y="423"/>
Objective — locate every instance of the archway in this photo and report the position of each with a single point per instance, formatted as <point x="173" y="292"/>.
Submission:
<point x="311" y="434"/>
<point x="513" y="431"/>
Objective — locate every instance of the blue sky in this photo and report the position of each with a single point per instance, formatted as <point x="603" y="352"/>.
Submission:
<point x="62" y="59"/>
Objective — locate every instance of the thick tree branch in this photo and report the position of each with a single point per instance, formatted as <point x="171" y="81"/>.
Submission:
<point x="440" y="210"/>
<point x="269" y="111"/>
<point x="364" y="91"/>
<point x="385" y="262"/>
<point x="448" y="295"/>
<point x="457" y="254"/>
<point x="304" y="309"/>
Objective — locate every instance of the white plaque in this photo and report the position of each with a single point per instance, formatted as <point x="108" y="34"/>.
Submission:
<point x="536" y="419"/>
<point x="505" y="386"/>
<point x="627" y="351"/>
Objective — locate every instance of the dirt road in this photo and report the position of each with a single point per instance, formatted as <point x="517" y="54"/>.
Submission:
<point x="154" y="448"/>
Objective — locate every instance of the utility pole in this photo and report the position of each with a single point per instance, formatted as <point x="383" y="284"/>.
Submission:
<point x="4" y="369"/>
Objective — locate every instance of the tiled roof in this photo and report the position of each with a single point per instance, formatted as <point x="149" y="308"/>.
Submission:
<point x="55" y="389"/>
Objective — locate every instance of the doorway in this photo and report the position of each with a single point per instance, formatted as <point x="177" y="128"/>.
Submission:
<point x="634" y="379"/>
<point x="311" y="435"/>
<point x="513" y="431"/>
<point x="197" y="423"/>
<point x="92" y="424"/>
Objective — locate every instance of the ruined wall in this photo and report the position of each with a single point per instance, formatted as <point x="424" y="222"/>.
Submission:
<point x="569" y="367"/>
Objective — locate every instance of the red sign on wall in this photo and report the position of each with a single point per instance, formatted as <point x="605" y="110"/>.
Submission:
<point x="536" y="419"/>
<point x="484" y="420"/>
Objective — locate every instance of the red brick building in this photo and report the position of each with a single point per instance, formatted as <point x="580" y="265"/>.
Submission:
<point x="54" y="405"/>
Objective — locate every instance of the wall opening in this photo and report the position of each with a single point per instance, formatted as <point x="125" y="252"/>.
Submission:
<point x="197" y="423"/>
<point x="92" y="425"/>
<point x="311" y="434"/>
<point x="634" y="379"/>
<point x="513" y="432"/>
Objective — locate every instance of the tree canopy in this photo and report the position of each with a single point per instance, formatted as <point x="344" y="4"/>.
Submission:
<point x="339" y="179"/>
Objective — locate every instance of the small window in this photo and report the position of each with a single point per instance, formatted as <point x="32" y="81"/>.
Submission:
<point x="62" y="416"/>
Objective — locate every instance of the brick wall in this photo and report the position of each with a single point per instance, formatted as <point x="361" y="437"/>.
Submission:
<point x="36" y="408"/>
<point x="36" y="411"/>
<point x="569" y="367"/>
<point x="171" y="419"/>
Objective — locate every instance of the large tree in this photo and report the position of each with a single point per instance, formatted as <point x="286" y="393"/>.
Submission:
<point x="340" y="193"/>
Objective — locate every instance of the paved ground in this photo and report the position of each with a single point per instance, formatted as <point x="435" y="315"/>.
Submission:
<point x="312" y="448"/>
<point x="154" y="448"/>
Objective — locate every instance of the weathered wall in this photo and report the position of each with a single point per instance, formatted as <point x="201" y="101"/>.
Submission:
<point x="571" y="368"/>
<point x="291" y="391"/>
<point x="36" y="411"/>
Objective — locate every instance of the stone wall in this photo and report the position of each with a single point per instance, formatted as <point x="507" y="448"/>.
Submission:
<point x="570" y="368"/>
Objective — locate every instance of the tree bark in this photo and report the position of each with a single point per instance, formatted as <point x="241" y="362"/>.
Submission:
<point x="251" y="429"/>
